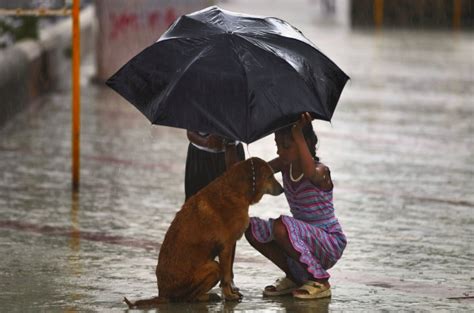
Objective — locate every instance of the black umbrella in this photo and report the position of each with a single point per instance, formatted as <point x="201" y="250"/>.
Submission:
<point x="235" y="75"/>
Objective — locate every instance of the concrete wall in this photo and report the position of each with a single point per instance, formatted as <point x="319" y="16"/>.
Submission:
<point x="413" y="13"/>
<point x="127" y="27"/>
<point x="30" y="68"/>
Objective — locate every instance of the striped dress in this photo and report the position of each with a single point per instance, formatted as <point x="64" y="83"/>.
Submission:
<point x="313" y="229"/>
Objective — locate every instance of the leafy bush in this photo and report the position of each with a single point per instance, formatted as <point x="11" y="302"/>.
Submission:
<point x="13" y="29"/>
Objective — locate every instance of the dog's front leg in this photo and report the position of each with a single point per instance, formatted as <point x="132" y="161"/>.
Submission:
<point x="233" y="286"/>
<point x="225" y="261"/>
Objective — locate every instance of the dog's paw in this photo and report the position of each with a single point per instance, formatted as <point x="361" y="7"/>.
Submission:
<point x="232" y="296"/>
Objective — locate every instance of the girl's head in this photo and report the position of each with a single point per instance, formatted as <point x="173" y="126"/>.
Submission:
<point x="286" y="146"/>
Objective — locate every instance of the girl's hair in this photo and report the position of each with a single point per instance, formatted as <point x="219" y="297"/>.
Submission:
<point x="308" y="134"/>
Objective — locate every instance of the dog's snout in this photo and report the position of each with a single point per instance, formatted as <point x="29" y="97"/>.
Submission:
<point x="276" y="189"/>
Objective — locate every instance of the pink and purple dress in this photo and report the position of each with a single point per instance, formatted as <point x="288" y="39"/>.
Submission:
<point x="313" y="229"/>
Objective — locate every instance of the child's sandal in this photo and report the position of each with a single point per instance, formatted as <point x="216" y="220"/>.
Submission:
<point x="282" y="286"/>
<point x="312" y="290"/>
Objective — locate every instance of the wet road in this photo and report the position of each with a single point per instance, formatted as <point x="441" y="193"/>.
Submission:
<point x="400" y="148"/>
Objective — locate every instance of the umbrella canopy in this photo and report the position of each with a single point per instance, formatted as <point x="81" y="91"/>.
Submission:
<point x="235" y="75"/>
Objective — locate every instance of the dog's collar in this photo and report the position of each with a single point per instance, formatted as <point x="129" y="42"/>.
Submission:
<point x="253" y="177"/>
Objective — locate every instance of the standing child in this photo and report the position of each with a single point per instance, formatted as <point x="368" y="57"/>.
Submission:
<point x="209" y="156"/>
<point x="311" y="241"/>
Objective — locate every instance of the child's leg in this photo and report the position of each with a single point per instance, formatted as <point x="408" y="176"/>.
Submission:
<point x="282" y="239"/>
<point x="271" y="251"/>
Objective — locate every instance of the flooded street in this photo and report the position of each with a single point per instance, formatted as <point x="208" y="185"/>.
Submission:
<point x="400" y="148"/>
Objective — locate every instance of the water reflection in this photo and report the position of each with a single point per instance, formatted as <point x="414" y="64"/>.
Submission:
<point x="75" y="239"/>
<point x="292" y="305"/>
<point x="74" y="259"/>
<point x="278" y="304"/>
<point x="405" y="121"/>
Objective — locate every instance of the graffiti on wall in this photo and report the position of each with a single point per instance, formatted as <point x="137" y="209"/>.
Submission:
<point x="127" y="21"/>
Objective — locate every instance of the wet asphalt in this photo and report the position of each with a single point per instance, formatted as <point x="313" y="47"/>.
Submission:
<point x="400" y="148"/>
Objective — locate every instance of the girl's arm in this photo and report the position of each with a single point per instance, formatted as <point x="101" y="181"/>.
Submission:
<point x="217" y="143"/>
<point x="319" y="174"/>
<point x="194" y="137"/>
<point x="276" y="165"/>
<point x="211" y="141"/>
<point x="322" y="178"/>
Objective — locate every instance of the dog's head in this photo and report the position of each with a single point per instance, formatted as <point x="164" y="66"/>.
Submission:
<point x="260" y="178"/>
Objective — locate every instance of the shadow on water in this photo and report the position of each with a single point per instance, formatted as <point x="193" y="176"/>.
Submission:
<point x="277" y="304"/>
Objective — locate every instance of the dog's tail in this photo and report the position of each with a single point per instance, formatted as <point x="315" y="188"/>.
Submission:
<point x="146" y="303"/>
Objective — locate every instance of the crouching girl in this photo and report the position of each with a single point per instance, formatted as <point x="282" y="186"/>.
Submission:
<point x="305" y="245"/>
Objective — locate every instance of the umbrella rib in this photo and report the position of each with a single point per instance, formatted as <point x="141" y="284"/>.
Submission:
<point x="166" y="36"/>
<point x="292" y="68"/>
<point x="246" y="92"/>
<point x="176" y="78"/>
<point x="299" y="35"/>
<point x="308" y="43"/>
<point x="204" y="23"/>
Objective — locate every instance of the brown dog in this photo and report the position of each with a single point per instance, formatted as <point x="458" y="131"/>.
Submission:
<point x="208" y="225"/>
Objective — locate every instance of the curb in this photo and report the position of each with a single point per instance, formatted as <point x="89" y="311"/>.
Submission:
<point x="31" y="68"/>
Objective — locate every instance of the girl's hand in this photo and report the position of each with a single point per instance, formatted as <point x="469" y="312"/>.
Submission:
<point x="297" y="128"/>
<point x="215" y="142"/>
